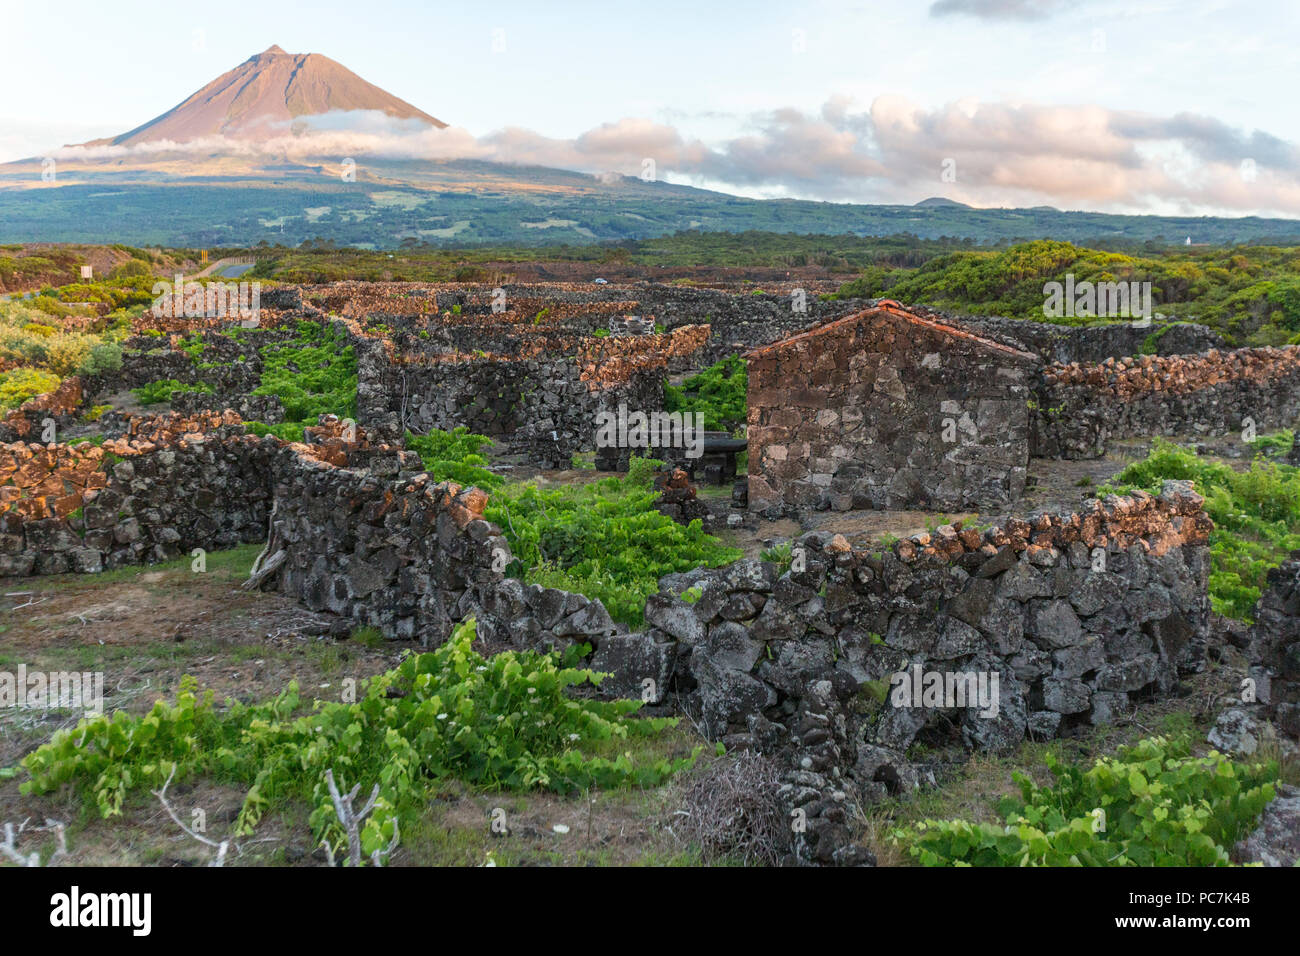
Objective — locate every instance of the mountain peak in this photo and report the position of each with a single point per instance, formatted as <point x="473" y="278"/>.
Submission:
<point x="261" y="97"/>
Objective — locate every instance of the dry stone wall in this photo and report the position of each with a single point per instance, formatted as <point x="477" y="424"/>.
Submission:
<point x="27" y="421"/>
<point x="546" y="404"/>
<point x="1274" y="650"/>
<point x="159" y="503"/>
<point x="1078" y="408"/>
<point x="385" y="546"/>
<point x="1092" y="344"/>
<point x="1077" y="615"/>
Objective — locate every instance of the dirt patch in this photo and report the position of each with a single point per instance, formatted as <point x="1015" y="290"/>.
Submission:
<point x="144" y="629"/>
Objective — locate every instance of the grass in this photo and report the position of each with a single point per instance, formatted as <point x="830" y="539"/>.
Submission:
<point x="230" y="564"/>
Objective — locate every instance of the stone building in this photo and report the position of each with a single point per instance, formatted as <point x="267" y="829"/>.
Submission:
<point x="888" y="409"/>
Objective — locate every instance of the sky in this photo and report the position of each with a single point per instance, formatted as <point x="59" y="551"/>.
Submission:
<point x="1161" y="106"/>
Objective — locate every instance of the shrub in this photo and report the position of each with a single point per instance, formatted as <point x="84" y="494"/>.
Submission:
<point x="782" y="555"/>
<point x="1256" y="515"/>
<point x="102" y="359"/>
<point x="20" y="384"/>
<point x="286" y="431"/>
<point x="732" y="809"/>
<point x="603" y="539"/>
<point x="163" y="389"/>
<point x="132" y="268"/>
<point x="718" y="394"/>
<point x="1153" y="804"/>
<point x="502" y="722"/>
<point x="454" y="456"/>
<point x="28" y="338"/>
<point x="314" y="374"/>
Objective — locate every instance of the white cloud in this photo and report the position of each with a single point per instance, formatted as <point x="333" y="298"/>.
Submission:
<point x="1003" y="154"/>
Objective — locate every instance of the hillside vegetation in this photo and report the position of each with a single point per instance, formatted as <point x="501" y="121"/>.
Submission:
<point x="1249" y="294"/>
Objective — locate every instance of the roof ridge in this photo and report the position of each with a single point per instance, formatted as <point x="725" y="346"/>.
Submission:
<point x="896" y="308"/>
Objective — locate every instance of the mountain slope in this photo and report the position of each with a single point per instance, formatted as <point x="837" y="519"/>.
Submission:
<point x="267" y="93"/>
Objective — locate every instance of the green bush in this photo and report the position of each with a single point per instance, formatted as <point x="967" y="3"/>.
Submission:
<point x="314" y="373"/>
<point x="286" y="431"/>
<point x="1275" y="445"/>
<point x="101" y="359"/>
<point x="1256" y="516"/>
<point x="1153" y="804"/>
<point x="718" y="393"/>
<point x="501" y="722"/>
<point x="19" y="384"/>
<point x="454" y="456"/>
<point x="162" y="390"/>
<point x="27" y="337"/>
<point x="603" y="539"/>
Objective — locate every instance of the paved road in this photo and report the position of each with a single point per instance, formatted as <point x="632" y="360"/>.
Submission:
<point x="225" y="268"/>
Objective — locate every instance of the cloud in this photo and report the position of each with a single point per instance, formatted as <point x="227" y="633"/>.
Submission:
<point x="997" y="9"/>
<point x="891" y="151"/>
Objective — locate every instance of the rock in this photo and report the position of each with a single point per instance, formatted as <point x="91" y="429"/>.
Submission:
<point x="1066" y="695"/>
<point x="1043" y="725"/>
<point x="727" y="697"/>
<point x="1023" y="582"/>
<point x="958" y="639"/>
<point x="1129" y="675"/>
<point x="1235" y="731"/>
<point x="1079" y="660"/>
<point x="674" y="617"/>
<point x="999" y="728"/>
<point x="897" y="727"/>
<point x="86" y="560"/>
<point x="638" y="667"/>
<point x="778" y="622"/>
<point x="973" y="602"/>
<point x="1095" y="591"/>
<point x="590" y="621"/>
<point x="1107" y="705"/>
<point x="730" y="647"/>
<point x="1054" y="624"/>
<point x="750" y="575"/>
<point x="363" y="578"/>
<point x="1004" y="625"/>
<point x="913" y="633"/>
<point x="1276" y="838"/>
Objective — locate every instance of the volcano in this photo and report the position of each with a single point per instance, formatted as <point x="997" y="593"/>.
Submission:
<point x="265" y="95"/>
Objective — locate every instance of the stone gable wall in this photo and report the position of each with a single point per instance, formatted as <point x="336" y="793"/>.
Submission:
<point x="887" y="412"/>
